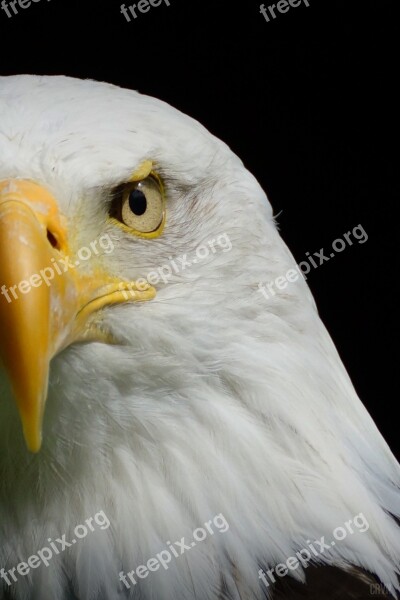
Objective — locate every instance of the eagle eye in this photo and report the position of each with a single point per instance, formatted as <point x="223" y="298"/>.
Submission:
<point x="140" y="206"/>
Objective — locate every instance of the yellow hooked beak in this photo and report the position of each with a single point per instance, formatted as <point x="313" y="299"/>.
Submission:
<point x="46" y="303"/>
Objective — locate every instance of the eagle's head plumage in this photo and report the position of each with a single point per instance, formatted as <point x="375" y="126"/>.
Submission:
<point x="149" y="378"/>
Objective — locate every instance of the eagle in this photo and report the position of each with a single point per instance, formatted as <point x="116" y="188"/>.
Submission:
<point x="167" y="432"/>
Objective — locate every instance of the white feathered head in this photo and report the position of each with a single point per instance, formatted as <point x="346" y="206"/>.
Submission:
<point x="153" y="380"/>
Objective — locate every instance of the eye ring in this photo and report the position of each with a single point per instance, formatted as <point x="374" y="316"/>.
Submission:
<point x="139" y="207"/>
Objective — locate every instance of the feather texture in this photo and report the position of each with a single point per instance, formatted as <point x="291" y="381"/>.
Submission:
<point x="211" y="401"/>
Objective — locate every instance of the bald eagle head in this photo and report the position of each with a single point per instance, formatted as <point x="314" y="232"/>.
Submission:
<point x="144" y="375"/>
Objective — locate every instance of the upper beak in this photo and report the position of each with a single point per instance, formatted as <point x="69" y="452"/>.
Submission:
<point x="43" y="306"/>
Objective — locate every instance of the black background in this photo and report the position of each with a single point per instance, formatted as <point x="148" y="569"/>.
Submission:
<point x="307" y="101"/>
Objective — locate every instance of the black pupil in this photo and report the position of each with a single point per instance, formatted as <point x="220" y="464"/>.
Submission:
<point x="137" y="202"/>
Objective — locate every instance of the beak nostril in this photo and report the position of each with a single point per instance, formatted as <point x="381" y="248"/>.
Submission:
<point x="53" y="240"/>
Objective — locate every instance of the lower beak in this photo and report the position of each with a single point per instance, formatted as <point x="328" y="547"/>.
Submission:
<point x="44" y="307"/>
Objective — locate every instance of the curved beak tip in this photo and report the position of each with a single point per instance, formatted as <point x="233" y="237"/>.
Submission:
<point x="33" y="439"/>
<point x="31" y="416"/>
